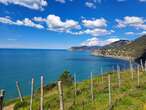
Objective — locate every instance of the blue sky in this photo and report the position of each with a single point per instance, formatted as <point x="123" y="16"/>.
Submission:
<point x="58" y="24"/>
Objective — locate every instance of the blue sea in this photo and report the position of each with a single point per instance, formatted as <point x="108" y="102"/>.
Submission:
<point x="23" y="64"/>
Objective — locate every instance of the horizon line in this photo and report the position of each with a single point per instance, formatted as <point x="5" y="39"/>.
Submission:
<point x="37" y="48"/>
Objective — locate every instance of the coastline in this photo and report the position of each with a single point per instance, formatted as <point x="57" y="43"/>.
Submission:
<point x="112" y="56"/>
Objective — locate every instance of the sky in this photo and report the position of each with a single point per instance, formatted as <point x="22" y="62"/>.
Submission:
<point x="60" y="24"/>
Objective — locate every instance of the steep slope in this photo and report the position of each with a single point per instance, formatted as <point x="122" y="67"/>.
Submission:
<point x="129" y="96"/>
<point x="135" y="49"/>
<point x="117" y="44"/>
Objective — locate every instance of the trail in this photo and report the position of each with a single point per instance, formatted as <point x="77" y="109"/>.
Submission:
<point x="9" y="107"/>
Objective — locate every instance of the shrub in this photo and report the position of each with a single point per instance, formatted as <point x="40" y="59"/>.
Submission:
<point x="20" y="105"/>
<point x="66" y="78"/>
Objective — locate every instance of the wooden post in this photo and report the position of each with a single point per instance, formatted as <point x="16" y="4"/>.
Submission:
<point x="60" y="88"/>
<point x="102" y="75"/>
<point x="113" y="69"/>
<point x="83" y="105"/>
<point x="145" y="66"/>
<point x="91" y="85"/>
<point x="19" y="91"/>
<point x="138" y="82"/>
<point x="109" y="90"/>
<point x="131" y="70"/>
<point x="119" y="77"/>
<point x="42" y="93"/>
<point x="32" y="92"/>
<point x="2" y="92"/>
<point x="75" y="88"/>
<point x="141" y="64"/>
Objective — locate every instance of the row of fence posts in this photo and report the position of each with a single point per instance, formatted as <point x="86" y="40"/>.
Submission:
<point x="119" y="79"/>
<point x="143" y="68"/>
<point x="60" y="87"/>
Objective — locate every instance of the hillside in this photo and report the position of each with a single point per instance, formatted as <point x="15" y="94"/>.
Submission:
<point x="127" y="96"/>
<point x="137" y="47"/>
<point x="84" y="48"/>
<point x="134" y="49"/>
<point x="116" y="44"/>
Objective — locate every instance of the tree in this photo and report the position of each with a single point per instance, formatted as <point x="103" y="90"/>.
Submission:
<point x="66" y="78"/>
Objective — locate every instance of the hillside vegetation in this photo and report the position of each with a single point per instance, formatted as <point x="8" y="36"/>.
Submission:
<point x="135" y="49"/>
<point x="129" y="96"/>
<point x="83" y="48"/>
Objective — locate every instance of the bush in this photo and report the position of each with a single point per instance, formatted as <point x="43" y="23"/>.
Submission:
<point x="66" y="78"/>
<point x="21" y="105"/>
<point x="50" y="86"/>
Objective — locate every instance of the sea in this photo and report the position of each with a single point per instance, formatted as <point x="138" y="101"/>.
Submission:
<point x="24" y="64"/>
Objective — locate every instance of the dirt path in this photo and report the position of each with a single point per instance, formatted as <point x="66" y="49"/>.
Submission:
<point x="10" y="107"/>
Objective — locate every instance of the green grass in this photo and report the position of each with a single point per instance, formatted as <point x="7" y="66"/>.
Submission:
<point x="128" y="97"/>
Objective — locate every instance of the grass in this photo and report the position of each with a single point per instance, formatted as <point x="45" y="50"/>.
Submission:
<point x="128" y="97"/>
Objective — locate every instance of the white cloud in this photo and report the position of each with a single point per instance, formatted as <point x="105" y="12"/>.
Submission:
<point x="142" y="33"/>
<point x="97" y="42"/>
<point x="25" y="22"/>
<point x="39" y="19"/>
<point x="111" y="40"/>
<point x="133" y="21"/>
<point x="94" y="27"/>
<point x="6" y="20"/>
<point x="127" y="0"/>
<point x="141" y="26"/>
<point x="97" y="32"/>
<point x="95" y="23"/>
<point x="91" y="42"/>
<point x="52" y="22"/>
<point x="93" y="32"/>
<point x="129" y="33"/>
<point x="129" y="20"/>
<point x="32" y="4"/>
<point x="55" y="23"/>
<point x="90" y="5"/>
<point x="142" y="0"/>
<point x="29" y="23"/>
<point x="61" y="1"/>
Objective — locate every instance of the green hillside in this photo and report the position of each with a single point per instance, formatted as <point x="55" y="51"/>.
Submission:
<point x="135" y="49"/>
<point x="83" y="48"/>
<point x="117" y="44"/>
<point x="129" y="96"/>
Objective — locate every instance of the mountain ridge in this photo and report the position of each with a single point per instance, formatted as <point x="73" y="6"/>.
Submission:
<point x="134" y="49"/>
<point x="124" y="49"/>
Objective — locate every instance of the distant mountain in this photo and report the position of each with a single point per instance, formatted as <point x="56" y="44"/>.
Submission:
<point x="84" y="48"/>
<point x="123" y="48"/>
<point x="137" y="47"/>
<point x="116" y="44"/>
<point x="109" y="46"/>
<point x="120" y="49"/>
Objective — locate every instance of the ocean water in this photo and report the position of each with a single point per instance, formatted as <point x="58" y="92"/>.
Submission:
<point x="23" y="64"/>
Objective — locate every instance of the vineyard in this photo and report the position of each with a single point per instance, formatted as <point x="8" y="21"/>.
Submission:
<point x="118" y="90"/>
